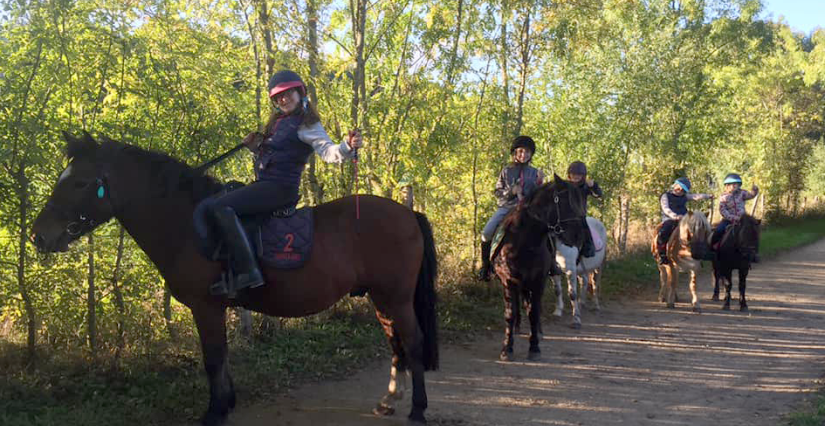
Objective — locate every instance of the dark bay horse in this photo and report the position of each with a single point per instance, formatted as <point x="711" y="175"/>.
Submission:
<point x="736" y="251"/>
<point x="523" y="258"/>
<point x="389" y="252"/>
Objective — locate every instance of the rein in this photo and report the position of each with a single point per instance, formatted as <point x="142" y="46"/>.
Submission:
<point x="202" y="168"/>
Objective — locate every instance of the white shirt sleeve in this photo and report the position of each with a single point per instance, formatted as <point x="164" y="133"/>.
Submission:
<point x="315" y="136"/>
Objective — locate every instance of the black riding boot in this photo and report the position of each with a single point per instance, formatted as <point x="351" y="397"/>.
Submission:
<point x="247" y="274"/>
<point x="484" y="272"/>
<point x="588" y="247"/>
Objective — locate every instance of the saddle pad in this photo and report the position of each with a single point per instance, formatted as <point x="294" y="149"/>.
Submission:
<point x="287" y="241"/>
<point x="598" y="243"/>
<point x="497" y="237"/>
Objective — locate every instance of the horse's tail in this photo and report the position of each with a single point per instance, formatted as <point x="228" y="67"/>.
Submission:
<point x="425" y="297"/>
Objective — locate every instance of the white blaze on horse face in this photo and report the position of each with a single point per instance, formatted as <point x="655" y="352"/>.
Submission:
<point x="65" y="175"/>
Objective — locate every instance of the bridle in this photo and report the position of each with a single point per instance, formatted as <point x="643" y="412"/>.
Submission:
<point x="555" y="229"/>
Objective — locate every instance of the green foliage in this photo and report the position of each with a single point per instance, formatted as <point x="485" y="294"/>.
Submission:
<point x="642" y="92"/>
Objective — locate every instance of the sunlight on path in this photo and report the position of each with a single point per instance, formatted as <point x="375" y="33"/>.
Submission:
<point x="636" y="363"/>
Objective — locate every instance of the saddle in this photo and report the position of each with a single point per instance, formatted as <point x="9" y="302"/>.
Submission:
<point x="281" y="239"/>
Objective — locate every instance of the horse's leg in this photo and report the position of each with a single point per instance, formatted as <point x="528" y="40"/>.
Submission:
<point x="595" y="283"/>
<point x="728" y="284"/>
<point x="572" y="291"/>
<point x="511" y="304"/>
<point x="715" y="296"/>
<point x="413" y="340"/>
<point x="694" y="296"/>
<point x="583" y="281"/>
<point x="559" y="296"/>
<point x="672" y="280"/>
<point x="211" y="323"/>
<point x="399" y="367"/>
<point x="663" y="283"/>
<point x="743" y="277"/>
<point x="535" y="322"/>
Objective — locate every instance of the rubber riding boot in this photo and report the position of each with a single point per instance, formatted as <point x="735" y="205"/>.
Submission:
<point x="245" y="266"/>
<point x="484" y="272"/>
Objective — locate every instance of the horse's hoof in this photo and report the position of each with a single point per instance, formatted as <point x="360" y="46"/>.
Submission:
<point x="557" y="313"/>
<point x="534" y="354"/>
<point x="383" y="409"/>
<point x="743" y="308"/>
<point x="418" y="420"/>
<point x="506" y="355"/>
<point x="715" y="298"/>
<point x="725" y="307"/>
<point x="576" y="325"/>
<point x="662" y="299"/>
<point x="212" y="419"/>
<point x="671" y="305"/>
<point x="697" y="309"/>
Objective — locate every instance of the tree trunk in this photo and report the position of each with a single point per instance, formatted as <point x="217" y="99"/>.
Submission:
<point x="90" y="299"/>
<point x="315" y="190"/>
<point x="119" y="305"/>
<point x="505" y="78"/>
<point x="167" y="313"/>
<point x="359" y="88"/>
<point x="525" y="69"/>
<point x="266" y="32"/>
<point x="624" y="221"/>
<point x="22" y="182"/>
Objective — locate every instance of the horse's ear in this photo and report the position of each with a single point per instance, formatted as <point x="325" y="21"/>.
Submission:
<point x="79" y="146"/>
<point x="558" y="180"/>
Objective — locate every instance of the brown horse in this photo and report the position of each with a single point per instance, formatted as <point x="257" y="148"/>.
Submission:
<point x="389" y="252"/>
<point x="687" y="245"/>
<point x="523" y="258"/>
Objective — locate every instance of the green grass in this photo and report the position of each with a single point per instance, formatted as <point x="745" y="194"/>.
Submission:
<point x="70" y="389"/>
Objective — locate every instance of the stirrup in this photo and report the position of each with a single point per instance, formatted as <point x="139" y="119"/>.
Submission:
<point x="484" y="274"/>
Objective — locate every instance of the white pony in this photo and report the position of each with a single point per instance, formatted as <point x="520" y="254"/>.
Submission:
<point x="589" y="270"/>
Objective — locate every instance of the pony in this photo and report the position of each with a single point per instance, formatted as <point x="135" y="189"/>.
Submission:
<point x="522" y="259"/>
<point x="687" y="246"/>
<point x="389" y="252"/>
<point x="588" y="270"/>
<point x="736" y="251"/>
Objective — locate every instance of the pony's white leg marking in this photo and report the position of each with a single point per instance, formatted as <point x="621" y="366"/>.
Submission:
<point x="395" y="392"/>
<point x="596" y="283"/>
<point x="572" y="285"/>
<point x="693" y="294"/>
<point x="559" y="296"/>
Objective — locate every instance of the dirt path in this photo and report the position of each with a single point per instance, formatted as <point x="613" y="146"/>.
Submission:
<point x="635" y="363"/>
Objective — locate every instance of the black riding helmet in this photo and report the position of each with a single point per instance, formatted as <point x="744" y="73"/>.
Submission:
<point x="284" y="80"/>
<point x="577" y="168"/>
<point x="525" y="142"/>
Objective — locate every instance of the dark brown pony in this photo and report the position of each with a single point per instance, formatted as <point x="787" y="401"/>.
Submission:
<point x="389" y="252"/>
<point x="523" y="258"/>
<point x="735" y="252"/>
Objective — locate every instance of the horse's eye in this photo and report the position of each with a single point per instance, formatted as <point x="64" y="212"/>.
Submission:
<point x="81" y="184"/>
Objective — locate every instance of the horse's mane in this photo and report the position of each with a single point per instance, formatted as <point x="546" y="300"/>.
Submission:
<point x="696" y="223"/>
<point x="170" y="173"/>
<point x="513" y="218"/>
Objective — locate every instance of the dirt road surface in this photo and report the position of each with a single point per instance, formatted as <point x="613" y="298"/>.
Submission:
<point x="634" y="363"/>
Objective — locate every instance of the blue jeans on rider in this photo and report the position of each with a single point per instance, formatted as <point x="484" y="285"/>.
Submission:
<point x="490" y="228"/>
